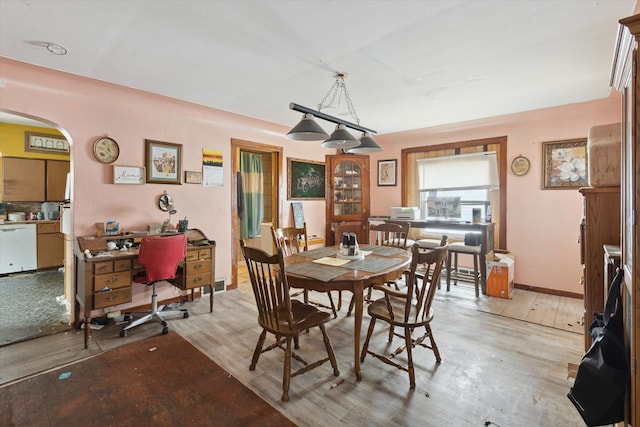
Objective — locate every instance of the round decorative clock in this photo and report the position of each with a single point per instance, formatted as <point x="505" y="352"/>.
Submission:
<point x="106" y="150"/>
<point x="520" y="165"/>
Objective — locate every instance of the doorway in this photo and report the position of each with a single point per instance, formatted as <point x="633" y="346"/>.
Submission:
<point x="38" y="302"/>
<point x="271" y="157"/>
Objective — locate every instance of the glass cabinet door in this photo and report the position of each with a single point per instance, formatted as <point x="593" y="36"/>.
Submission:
<point x="347" y="189"/>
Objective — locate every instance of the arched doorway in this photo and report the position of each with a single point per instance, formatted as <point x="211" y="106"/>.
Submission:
<point x="47" y="306"/>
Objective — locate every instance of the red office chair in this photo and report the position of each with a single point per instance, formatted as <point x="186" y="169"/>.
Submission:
<point x="160" y="256"/>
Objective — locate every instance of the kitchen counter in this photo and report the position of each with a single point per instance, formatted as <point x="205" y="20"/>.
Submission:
<point x="35" y="221"/>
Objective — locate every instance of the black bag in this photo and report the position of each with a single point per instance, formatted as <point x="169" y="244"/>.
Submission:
<point x="598" y="392"/>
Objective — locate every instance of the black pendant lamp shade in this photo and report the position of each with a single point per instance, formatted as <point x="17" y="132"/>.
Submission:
<point x="307" y="130"/>
<point x="367" y="145"/>
<point x="340" y="138"/>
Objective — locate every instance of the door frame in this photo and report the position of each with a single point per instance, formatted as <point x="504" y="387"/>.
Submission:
<point x="238" y="145"/>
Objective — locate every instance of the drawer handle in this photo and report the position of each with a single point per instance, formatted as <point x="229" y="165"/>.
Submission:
<point x="112" y="297"/>
<point x="197" y="279"/>
<point x="112" y="279"/>
<point x="197" y="266"/>
<point x="100" y="269"/>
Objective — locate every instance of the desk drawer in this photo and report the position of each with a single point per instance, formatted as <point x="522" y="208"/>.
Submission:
<point x="109" y="298"/>
<point x="196" y="280"/>
<point x="196" y="254"/>
<point x="103" y="267"/>
<point x="197" y="267"/>
<point x="114" y="280"/>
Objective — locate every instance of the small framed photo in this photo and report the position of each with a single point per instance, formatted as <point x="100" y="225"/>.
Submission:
<point x="565" y="164"/>
<point x="193" y="177"/>
<point x="305" y="179"/>
<point x="163" y="161"/>
<point x="44" y="143"/>
<point x="387" y="172"/>
<point x="128" y="175"/>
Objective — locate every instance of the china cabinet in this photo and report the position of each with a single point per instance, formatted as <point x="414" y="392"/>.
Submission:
<point x="625" y="79"/>
<point x="347" y="196"/>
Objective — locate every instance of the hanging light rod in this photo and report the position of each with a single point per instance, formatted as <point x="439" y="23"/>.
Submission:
<point x="306" y="110"/>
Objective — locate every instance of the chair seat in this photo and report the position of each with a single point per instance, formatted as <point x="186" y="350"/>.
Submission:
<point x="429" y="243"/>
<point x="464" y="249"/>
<point x="305" y="316"/>
<point x="379" y="309"/>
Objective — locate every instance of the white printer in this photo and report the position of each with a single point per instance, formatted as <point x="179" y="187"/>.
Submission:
<point x="406" y="213"/>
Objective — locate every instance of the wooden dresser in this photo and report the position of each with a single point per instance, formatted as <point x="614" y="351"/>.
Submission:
<point x="106" y="281"/>
<point x="600" y="226"/>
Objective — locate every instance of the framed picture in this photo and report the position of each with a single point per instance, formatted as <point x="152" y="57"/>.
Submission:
<point x="128" y="175"/>
<point x="163" y="162"/>
<point x="305" y="179"/>
<point x="565" y="164"/>
<point x="41" y="142"/>
<point x="387" y="172"/>
<point x="193" y="177"/>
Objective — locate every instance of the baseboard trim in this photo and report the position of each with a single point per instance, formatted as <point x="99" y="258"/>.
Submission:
<point x="548" y="291"/>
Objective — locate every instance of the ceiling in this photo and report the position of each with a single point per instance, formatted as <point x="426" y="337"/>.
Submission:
<point x="409" y="64"/>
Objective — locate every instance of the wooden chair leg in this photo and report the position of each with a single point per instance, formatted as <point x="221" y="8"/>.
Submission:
<point x="476" y="272"/>
<point x="332" y="356"/>
<point x="409" y="344"/>
<point x="434" y="346"/>
<point x="286" y="380"/>
<point x="449" y="272"/>
<point x="390" y="333"/>
<point x="258" y="350"/>
<point x="333" y="306"/>
<point x="363" y="354"/>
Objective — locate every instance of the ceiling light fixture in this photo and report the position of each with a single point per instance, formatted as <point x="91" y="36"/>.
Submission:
<point x="56" y="49"/>
<point x="309" y="130"/>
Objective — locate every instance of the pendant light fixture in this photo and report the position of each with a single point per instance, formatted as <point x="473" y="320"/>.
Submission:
<point x="341" y="138"/>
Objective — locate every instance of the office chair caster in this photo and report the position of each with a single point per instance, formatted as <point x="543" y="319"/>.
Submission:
<point x="123" y="333"/>
<point x="165" y="330"/>
<point x="185" y="315"/>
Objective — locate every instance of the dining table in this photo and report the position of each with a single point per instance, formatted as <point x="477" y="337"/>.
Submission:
<point x="324" y="270"/>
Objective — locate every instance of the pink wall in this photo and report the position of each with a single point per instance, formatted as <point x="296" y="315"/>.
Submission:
<point x="86" y="109"/>
<point x="542" y="225"/>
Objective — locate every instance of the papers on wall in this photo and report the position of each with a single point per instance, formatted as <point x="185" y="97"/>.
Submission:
<point x="212" y="175"/>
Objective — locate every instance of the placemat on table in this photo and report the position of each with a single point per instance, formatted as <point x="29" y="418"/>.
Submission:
<point x="318" y="253"/>
<point x="373" y="264"/>
<point x="320" y="272"/>
<point x="382" y="250"/>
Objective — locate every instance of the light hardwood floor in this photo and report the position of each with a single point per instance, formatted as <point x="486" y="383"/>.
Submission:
<point x="495" y="370"/>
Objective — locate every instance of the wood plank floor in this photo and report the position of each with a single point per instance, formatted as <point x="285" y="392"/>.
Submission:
<point x="495" y="369"/>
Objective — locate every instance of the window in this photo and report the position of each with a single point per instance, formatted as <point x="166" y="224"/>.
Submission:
<point x="413" y="196"/>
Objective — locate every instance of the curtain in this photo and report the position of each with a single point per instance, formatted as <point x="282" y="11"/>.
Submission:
<point x="252" y="189"/>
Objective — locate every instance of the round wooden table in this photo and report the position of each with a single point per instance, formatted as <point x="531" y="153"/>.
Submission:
<point x="353" y="280"/>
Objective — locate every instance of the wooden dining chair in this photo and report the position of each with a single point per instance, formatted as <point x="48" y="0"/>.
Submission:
<point x="409" y="310"/>
<point x="293" y="240"/>
<point x="390" y="234"/>
<point x="386" y="234"/>
<point x="280" y="315"/>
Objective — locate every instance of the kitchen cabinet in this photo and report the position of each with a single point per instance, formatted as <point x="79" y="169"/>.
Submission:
<point x="347" y="196"/>
<point x="33" y="180"/>
<point x="50" y="245"/>
<point x="23" y="180"/>
<point x="56" y="180"/>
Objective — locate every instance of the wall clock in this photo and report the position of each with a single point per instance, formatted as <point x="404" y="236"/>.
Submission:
<point x="520" y="165"/>
<point x="106" y="150"/>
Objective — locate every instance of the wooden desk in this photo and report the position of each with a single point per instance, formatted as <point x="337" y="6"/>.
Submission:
<point x="106" y="281"/>
<point x="486" y="231"/>
<point x="350" y="279"/>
